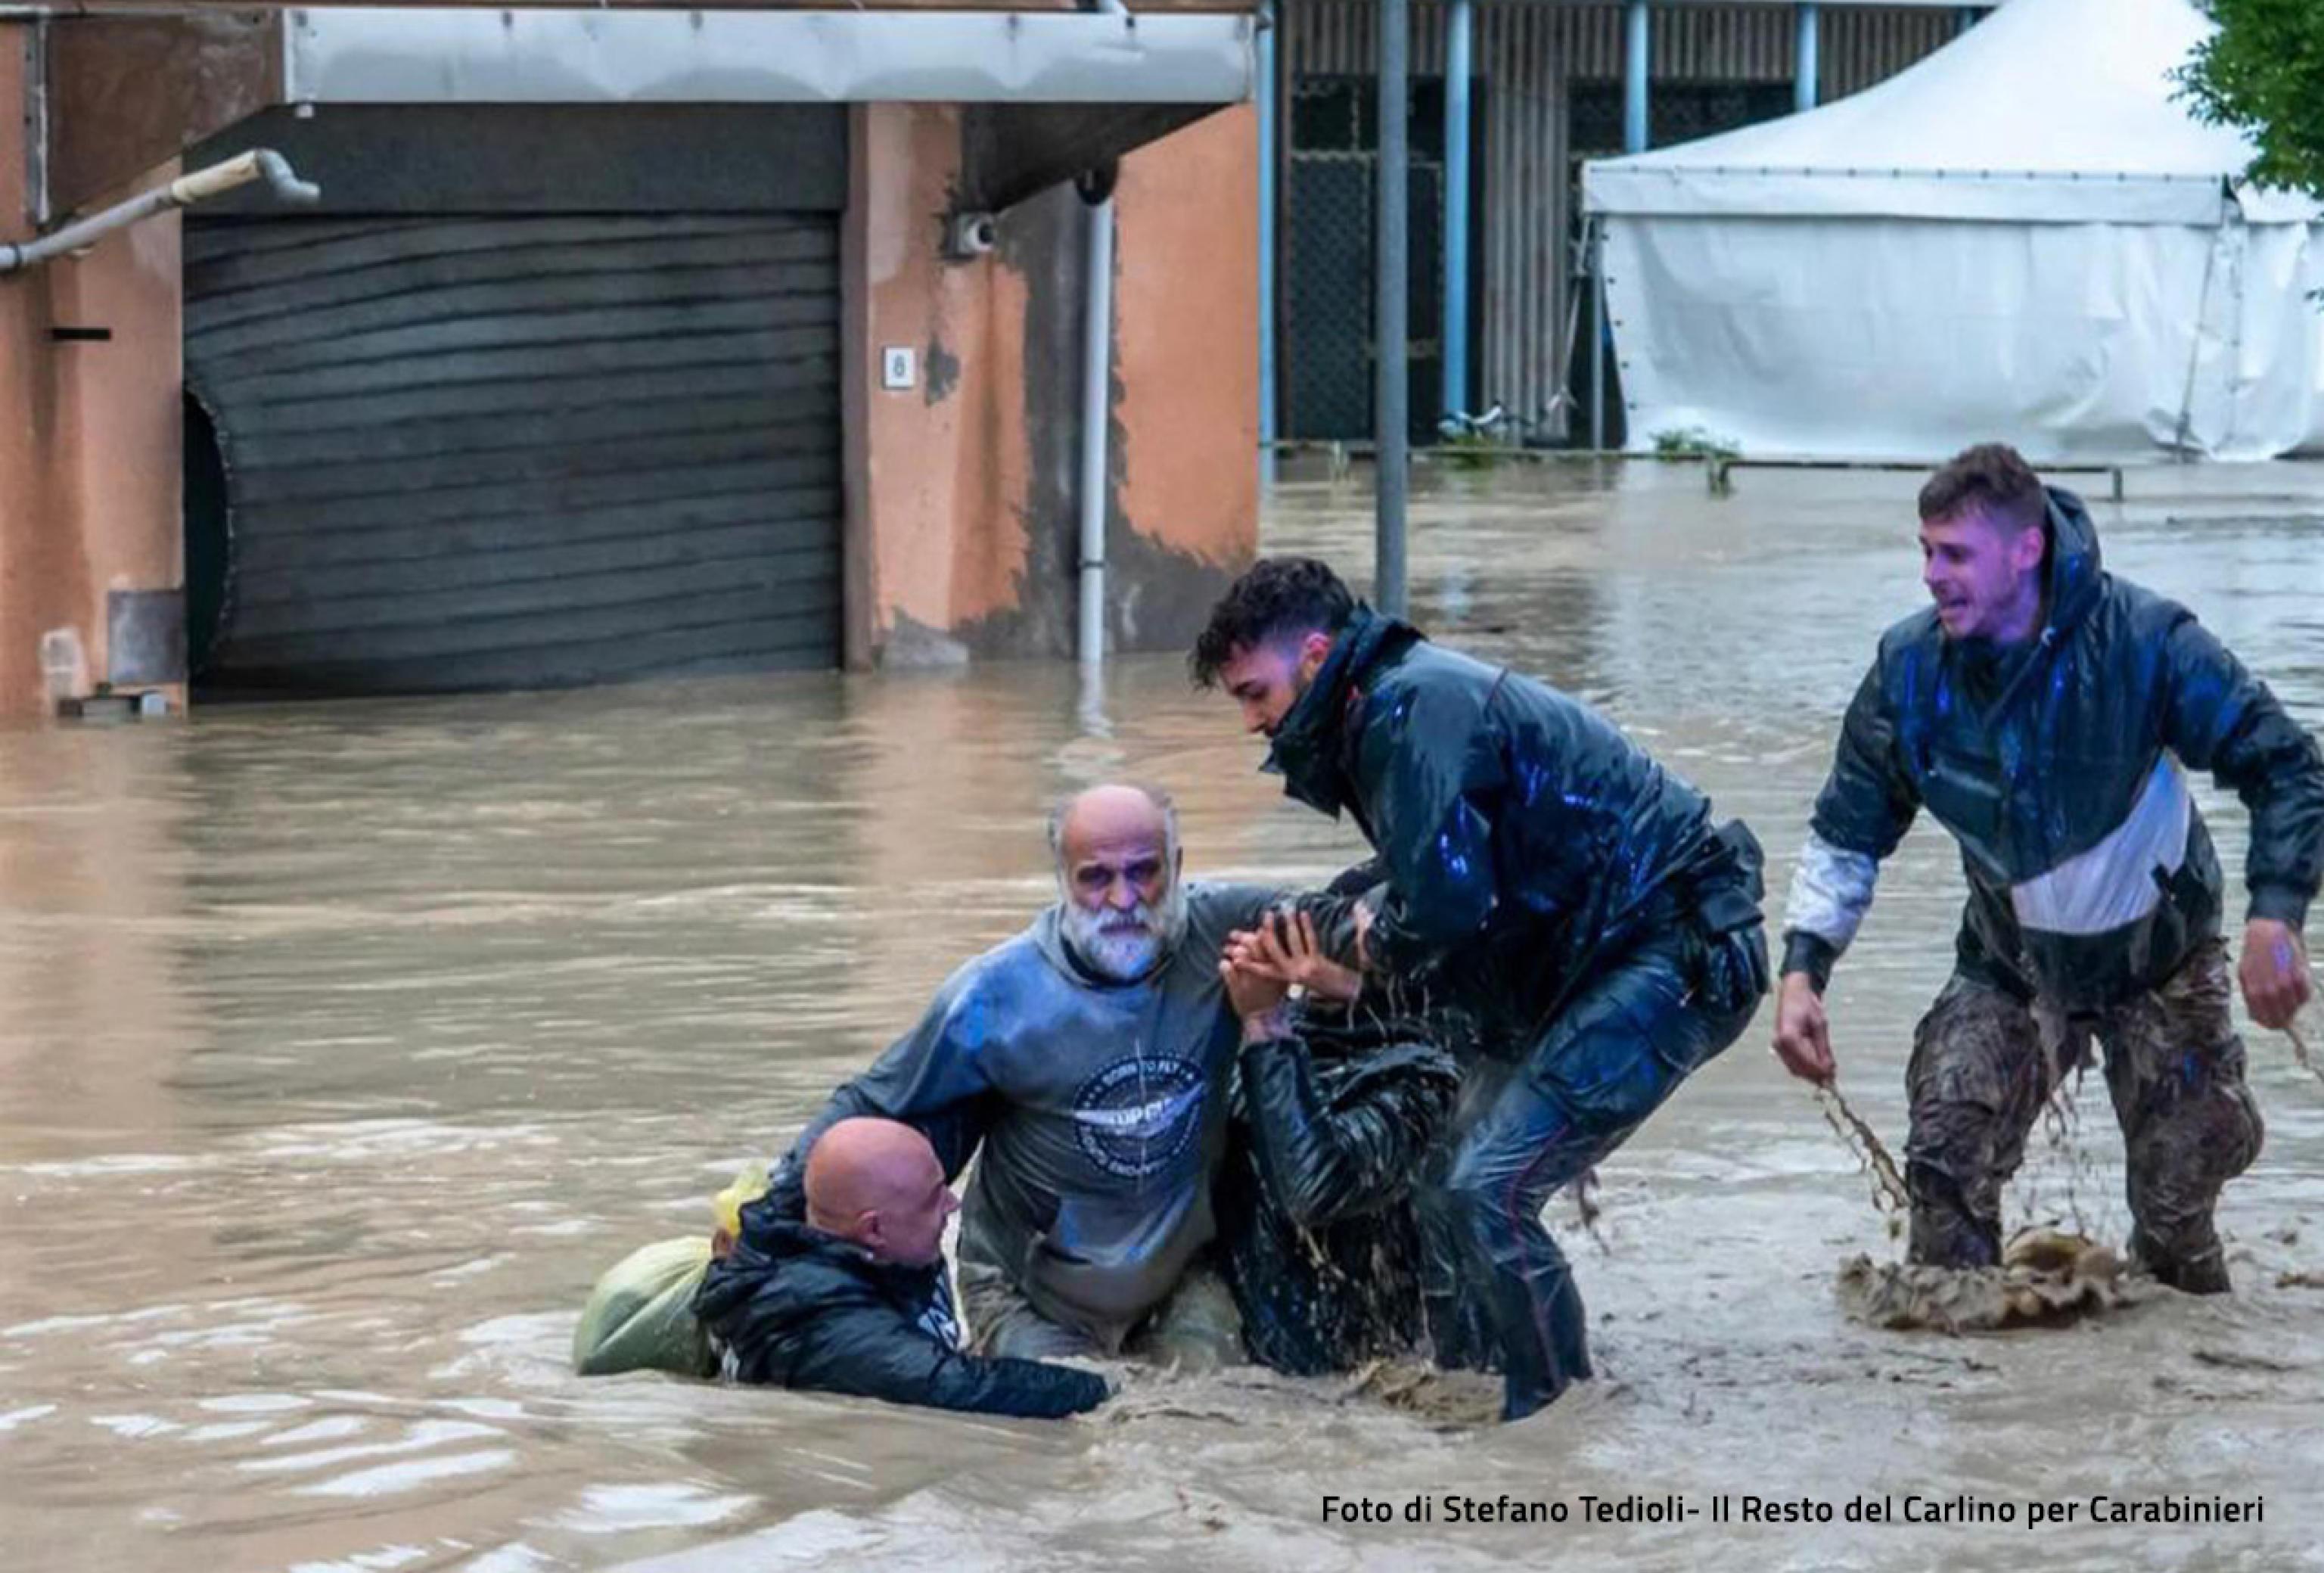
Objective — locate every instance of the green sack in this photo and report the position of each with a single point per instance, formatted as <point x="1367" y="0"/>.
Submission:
<point x="641" y="1315"/>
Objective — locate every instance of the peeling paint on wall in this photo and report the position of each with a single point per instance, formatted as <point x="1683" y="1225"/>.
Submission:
<point x="974" y="515"/>
<point x="942" y="370"/>
<point x="89" y="434"/>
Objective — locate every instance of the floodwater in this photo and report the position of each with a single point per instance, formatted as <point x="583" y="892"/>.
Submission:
<point x="341" y="1046"/>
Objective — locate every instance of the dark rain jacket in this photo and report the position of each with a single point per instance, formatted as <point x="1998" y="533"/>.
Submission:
<point x="2090" y="872"/>
<point x="1526" y="842"/>
<point x="794" y="1306"/>
<point x="1318" y="1239"/>
<point x="1100" y="1108"/>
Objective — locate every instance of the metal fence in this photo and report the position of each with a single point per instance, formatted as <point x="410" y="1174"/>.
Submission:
<point x="1544" y="95"/>
<point x="1329" y="352"/>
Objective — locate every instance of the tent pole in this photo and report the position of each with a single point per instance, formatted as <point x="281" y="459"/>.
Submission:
<point x="1596" y="242"/>
<point x="2182" y="438"/>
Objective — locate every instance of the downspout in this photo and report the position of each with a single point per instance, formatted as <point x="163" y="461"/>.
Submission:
<point x="259" y="163"/>
<point x="1097" y="410"/>
<point x="1097" y="404"/>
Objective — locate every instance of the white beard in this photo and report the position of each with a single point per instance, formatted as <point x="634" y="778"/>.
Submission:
<point x="1126" y="946"/>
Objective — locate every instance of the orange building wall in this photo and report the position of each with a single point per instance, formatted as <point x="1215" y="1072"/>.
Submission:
<point x="89" y="432"/>
<point x="963" y="506"/>
<point x="1187" y="371"/>
<point x="944" y="467"/>
<point x="962" y="512"/>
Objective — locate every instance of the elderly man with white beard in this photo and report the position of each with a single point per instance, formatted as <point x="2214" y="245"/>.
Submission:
<point x="1087" y="1059"/>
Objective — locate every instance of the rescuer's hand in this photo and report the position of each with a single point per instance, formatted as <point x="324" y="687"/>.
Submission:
<point x="2273" y="971"/>
<point x="1803" y="1031"/>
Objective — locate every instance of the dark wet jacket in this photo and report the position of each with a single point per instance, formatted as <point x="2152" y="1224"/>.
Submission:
<point x="1526" y="842"/>
<point x="1317" y="1232"/>
<point x="795" y="1307"/>
<point x="1099" y="1108"/>
<point x="2044" y="761"/>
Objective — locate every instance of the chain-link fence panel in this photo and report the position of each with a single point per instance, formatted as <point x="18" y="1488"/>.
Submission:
<point x="1328" y="346"/>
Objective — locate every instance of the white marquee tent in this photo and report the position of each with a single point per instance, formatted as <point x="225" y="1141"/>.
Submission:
<point x="2023" y="237"/>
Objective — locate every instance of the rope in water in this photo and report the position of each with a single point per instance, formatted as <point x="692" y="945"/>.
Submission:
<point x="1889" y="1192"/>
<point x="2299" y="1052"/>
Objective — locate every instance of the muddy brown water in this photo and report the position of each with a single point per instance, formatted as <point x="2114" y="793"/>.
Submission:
<point x="342" y="1045"/>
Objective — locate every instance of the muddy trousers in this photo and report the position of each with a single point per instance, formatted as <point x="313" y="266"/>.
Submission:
<point x="1984" y="1064"/>
<point x="1590" y="1078"/>
<point x="1196" y="1328"/>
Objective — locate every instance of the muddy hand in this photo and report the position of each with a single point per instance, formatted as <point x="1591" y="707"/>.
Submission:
<point x="1242" y="948"/>
<point x="1252" y="993"/>
<point x="1802" y="1031"/>
<point x="1288" y="948"/>
<point x="2273" y="971"/>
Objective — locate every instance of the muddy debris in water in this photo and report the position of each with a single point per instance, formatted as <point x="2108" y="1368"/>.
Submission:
<point x="2046" y="1276"/>
<point x="1209" y="1513"/>
<point x="1889" y="1192"/>
<point x="2303" y="1278"/>
<point x="1448" y="1401"/>
<point x="2299" y="1052"/>
<point x="2244" y="1360"/>
<point x="1585" y="1204"/>
<point x="1445" y="1401"/>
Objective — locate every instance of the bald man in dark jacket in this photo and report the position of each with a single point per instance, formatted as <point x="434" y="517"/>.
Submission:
<point x="854" y="1300"/>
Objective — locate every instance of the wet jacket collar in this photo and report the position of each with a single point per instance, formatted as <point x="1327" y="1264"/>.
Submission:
<point x="2074" y="569"/>
<point x="1310" y="747"/>
<point x="804" y="1266"/>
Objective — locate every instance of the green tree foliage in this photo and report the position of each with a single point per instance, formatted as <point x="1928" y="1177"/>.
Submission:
<point x="2263" y="73"/>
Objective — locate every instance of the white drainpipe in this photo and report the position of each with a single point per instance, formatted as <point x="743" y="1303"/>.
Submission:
<point x="1097" y="410"/>
<point x="259" y="163"/>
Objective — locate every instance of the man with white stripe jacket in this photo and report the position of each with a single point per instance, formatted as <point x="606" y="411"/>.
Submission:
<point x="2042" y="711"/>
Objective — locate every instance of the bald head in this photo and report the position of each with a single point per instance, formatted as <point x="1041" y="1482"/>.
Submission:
<point x="878" y="1183"/>
<point x="1113" y="812"/>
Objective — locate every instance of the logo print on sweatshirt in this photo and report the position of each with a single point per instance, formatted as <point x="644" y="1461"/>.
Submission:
<point x="1137" y="1117"/>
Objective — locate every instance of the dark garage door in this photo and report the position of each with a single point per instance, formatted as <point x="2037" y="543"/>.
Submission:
<point x="514" y="452"/>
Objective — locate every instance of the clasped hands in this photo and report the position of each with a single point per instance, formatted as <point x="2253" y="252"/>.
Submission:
<point x="1260" y="965"/>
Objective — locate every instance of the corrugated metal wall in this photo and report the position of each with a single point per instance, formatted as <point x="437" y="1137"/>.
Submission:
<point x="522" y="451"/>
<point x="1861" y="47"/>
<point x="1525" y="52"/>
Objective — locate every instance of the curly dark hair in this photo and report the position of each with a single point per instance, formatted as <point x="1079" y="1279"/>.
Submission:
<point x="1277" y="596"/>
<point x="1992" y="478"/>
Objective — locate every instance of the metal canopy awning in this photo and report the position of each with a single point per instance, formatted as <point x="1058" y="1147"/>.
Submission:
<point x="445" y="55"/>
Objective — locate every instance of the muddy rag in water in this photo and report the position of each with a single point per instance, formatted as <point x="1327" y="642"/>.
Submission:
<point x="2045" y="1277"/>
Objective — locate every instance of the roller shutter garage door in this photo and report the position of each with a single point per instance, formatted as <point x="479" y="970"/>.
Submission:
<point x="516" y="451"/>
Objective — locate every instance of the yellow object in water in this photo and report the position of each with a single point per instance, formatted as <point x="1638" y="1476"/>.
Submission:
<point x="748" y="1187"/>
